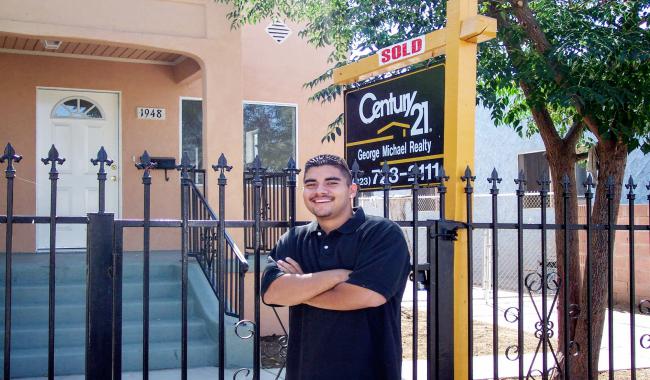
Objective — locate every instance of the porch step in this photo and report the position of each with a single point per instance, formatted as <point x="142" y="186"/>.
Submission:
<point x="66" y="294"/>
<point x="73" y="314"/>
<point x="74" y="335"/>
<point x="71" y="360"/>
<point x="30" y="316"/>
<point x="74" y="273"/>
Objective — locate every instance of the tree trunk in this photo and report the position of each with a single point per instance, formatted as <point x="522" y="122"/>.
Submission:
<point x="613" y="157"/>
<point x="562" y="162"/>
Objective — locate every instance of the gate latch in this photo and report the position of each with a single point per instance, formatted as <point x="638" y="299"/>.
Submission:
<point x="446" y="230"/>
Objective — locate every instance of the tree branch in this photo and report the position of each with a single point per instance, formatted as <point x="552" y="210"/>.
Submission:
<point x="533" y="30"/>
<point x="540" y="113"/>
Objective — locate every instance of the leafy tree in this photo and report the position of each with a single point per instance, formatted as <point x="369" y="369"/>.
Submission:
<point x="575" y="71"/>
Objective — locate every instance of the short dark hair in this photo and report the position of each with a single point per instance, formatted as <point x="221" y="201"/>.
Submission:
<point x="331" y="160"/>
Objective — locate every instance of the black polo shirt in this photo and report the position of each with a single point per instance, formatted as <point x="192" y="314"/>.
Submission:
<point x="359" y="344"/>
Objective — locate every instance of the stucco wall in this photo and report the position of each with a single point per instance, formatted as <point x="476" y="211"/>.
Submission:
<point x="276" y="73"/>
<point x="139" y="85"/>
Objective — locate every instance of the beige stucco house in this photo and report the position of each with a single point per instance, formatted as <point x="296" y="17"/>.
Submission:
<point x="119" y="74"/>
<point x="164" y="76"/>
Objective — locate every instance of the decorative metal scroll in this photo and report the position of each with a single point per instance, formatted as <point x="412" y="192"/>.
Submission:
<point x="247" y="372"/>
<point x="644" y="308"/>
<point x="534" y="283"/>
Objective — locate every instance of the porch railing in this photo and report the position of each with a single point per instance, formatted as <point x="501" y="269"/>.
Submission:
<point x="217" y="260"/>
<point x="274" y="205"/>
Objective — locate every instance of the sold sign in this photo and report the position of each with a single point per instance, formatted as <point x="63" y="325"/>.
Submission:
<point x="401" y="50"/>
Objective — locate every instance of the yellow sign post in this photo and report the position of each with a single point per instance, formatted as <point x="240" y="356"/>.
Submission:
<point x="458" y="42"/>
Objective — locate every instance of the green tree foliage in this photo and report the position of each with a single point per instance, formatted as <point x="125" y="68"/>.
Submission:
<point x="575" y="71"/>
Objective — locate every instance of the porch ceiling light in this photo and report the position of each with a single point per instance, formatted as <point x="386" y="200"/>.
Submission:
<point x="51" y="44"/>
<point x="278" y="30"/>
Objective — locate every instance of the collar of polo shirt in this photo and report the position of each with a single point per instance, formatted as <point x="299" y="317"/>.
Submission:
<point x="351" y="225"/>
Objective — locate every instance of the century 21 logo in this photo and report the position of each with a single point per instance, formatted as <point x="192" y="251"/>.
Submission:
<point x="402" y="104"/>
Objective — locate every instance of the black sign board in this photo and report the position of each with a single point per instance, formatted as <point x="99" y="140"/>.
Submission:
<point x="399" y="120"/>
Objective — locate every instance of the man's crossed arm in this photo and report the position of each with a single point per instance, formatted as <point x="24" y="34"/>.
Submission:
<point x="325" y="290"/>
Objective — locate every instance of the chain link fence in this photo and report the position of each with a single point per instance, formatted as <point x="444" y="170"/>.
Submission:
<point x="401" y="209"/>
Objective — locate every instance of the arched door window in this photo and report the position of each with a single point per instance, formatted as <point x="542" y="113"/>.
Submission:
<point x="77" y="108"/>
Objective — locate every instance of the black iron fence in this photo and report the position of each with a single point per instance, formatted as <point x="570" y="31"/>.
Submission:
<point x="203" y="236"/>
<point x="274" y="205"/>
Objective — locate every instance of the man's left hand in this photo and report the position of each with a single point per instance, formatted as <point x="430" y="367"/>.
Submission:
<point x="290" y="265"/>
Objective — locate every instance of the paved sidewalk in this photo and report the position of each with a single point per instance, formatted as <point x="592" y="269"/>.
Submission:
<point x="482" y="364"/>
<point x="483" y="307"/>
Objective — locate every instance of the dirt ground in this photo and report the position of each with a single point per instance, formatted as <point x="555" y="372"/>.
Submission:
<point x="273" y="355"/>
<point x="483" y="342"/>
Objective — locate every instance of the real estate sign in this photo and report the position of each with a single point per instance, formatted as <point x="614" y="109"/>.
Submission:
<point x="400" y="121"/>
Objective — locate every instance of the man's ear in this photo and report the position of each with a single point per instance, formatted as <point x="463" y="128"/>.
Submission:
<point x="354" y="188"/>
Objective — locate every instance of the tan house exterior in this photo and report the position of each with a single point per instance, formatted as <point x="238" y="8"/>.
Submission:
<point x="150" y="53"/>
<point x="145" y="53"/>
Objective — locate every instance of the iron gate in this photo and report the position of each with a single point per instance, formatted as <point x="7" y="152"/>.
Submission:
<point x="204" y="238"/>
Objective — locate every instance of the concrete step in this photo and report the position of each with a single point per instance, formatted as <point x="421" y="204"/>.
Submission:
<point x="71" y="360"/>
<point x="75" y="273"/>
<point x="68" y="294"/>
<point x="30" y="313"/>
<point x="71" y="314"/>
<point x="69" y="336"/>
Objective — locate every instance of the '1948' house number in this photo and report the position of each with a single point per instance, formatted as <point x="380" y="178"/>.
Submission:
<point x="150" y="113"/>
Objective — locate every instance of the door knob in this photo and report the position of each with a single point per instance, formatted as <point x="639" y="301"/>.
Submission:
<point x="114" y="178"/>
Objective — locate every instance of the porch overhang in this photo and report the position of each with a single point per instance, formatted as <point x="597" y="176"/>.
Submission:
<point x="183" y="67"/>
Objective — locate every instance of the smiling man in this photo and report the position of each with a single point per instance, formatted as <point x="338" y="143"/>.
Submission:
<point x="343" y="277"/>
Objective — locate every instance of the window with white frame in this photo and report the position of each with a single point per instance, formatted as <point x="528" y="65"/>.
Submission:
<point x="270" y="132"/>
<point x="192" y="130"/>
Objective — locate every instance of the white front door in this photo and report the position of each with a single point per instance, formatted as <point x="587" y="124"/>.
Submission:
<point x="78" y="123"/>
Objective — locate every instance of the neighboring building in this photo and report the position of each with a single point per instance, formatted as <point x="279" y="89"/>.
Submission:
<point x="503" y="149"/>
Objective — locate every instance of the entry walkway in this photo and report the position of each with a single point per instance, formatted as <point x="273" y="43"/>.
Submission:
<point x="482" y="308"/>
<point x="483" y="363"/>
<point x="202" y="373"/>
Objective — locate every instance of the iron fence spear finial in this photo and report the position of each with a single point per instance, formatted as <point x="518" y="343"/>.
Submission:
<point x="468" y="178"/>
<point x="184" y="167"/>
<point x="630" y="185"/>
<point x="521" y="182"/>
<point x="257" y="171"/>
<point x="415" y="174"/>
<point x="589" y="184"/>
<point x="494" y="180"/>
<point x="53" y="158"/>
<point x="10" y="156"/>
<point x="356" y="172"/>
<point x="146" y="164"/>
<point x="291" y="171"/>
<point x="102" y="159"/>
<point x="385" y="172"/>
<point x="222" y="166"/>
<point x="610" y="186"/>
<point x="566" y="184"/>
<point x="544" y="183"/>
<point x="442" y="178"/>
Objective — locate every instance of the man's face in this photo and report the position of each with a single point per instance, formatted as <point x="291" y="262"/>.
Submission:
<point x="326" y="192"/>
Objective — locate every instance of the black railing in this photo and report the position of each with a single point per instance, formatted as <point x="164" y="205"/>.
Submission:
<point x="274" y="205"/>
<point x="205" y="246"/>
<point x="203" y="236"/>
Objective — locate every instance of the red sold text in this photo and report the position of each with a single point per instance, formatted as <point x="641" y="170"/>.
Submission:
<point x="401" y="50"/>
